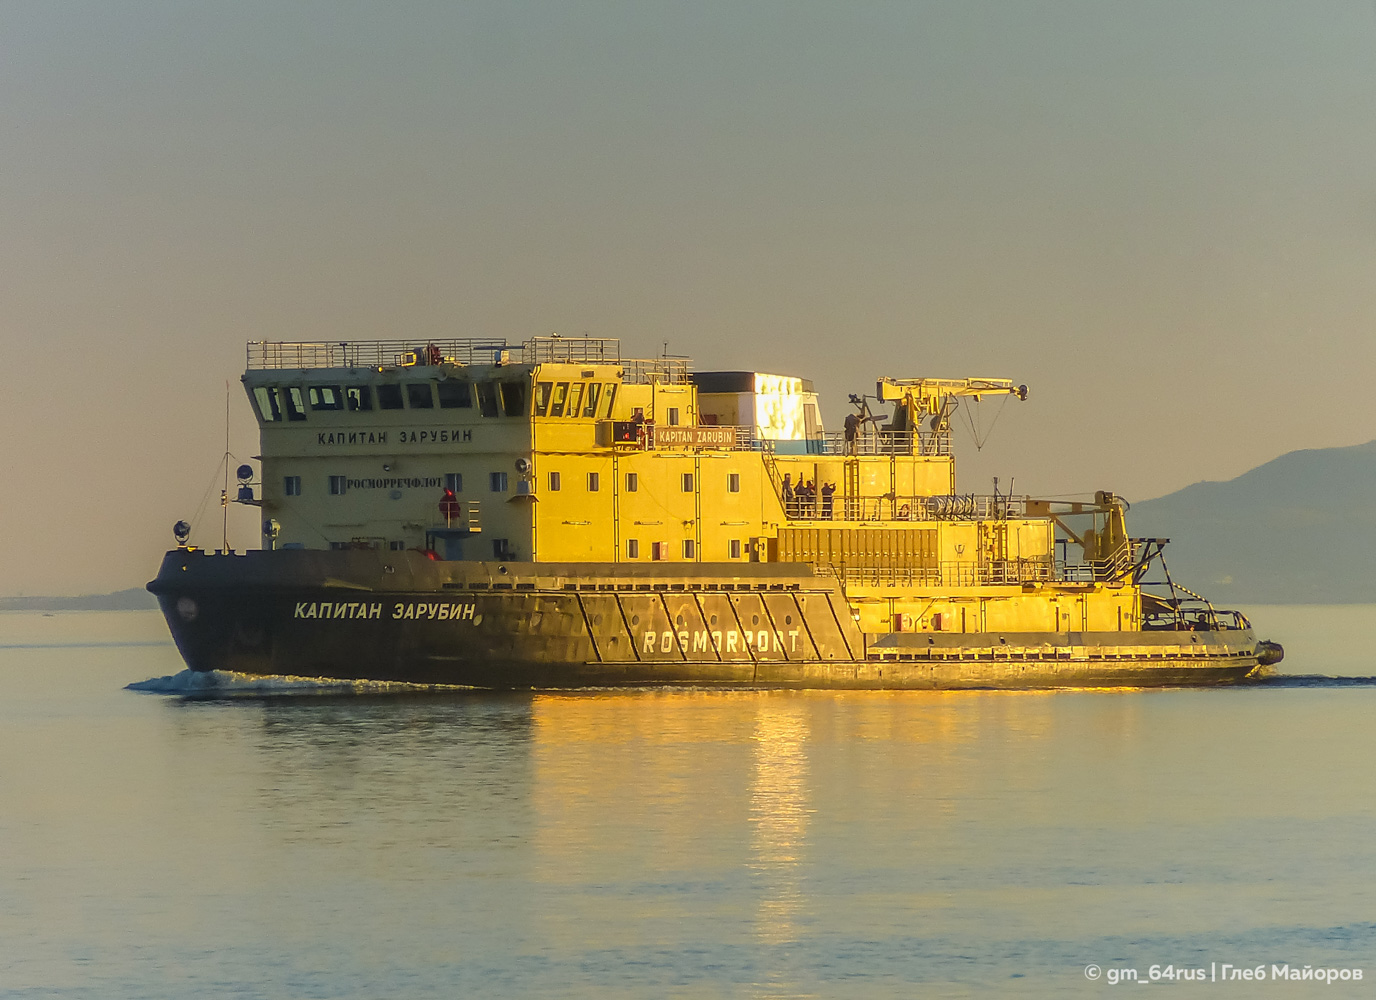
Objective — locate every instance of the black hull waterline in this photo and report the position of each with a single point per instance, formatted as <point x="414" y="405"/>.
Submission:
<point x="399" y="616"/>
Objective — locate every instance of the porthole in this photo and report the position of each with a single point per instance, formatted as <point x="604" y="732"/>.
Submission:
<point x="635" y="619"/>
<point x="754" y="619"/>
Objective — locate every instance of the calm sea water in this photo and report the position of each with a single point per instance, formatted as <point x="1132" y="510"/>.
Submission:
<point x="308" y="843"/>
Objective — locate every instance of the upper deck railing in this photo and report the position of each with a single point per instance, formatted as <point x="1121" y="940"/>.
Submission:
<point x="265" y="355"/>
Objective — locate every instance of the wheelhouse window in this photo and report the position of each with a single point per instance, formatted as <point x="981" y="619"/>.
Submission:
<point x="542" y="393"/>
<point x="268" y="407"/>
<point x="455" y="394"/>
<point x="419" y="396"/>
<point x="594" y="394"/>
<point x="575" y="400"/>
<point x="291" y="486"/>
<point x="561" y="396"/>
<point x="389" y="396"/>
<point x="487" y="398"/>
<point x="358" y="398"/>
<point x="296" y="402"/>
<point x="325" y="397"/>
<point x="514" y="399"/>
<point x="610" y="401"/>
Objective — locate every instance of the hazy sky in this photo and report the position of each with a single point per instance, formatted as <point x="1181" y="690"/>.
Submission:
<point x="1160" y="216"/>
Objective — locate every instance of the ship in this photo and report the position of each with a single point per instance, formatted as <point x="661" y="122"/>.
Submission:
<point x="549" y="514"/>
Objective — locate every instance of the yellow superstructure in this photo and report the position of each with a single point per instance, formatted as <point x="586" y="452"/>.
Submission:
<point x="560" y="451"/>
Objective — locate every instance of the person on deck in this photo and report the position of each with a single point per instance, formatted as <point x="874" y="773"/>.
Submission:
<point x="827" y="490"/>
<point x="788" y="494"/>
<point x="852" y="432"/>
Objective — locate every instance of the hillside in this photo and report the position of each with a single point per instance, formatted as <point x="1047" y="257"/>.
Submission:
<point x="134" y="599"/>
<point x="1298" y="530"/>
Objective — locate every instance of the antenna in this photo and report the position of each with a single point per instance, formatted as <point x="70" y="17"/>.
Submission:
<point x="224" y="494"/>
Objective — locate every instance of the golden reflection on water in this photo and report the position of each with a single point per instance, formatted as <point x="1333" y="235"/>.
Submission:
<point x="779" y="811"/>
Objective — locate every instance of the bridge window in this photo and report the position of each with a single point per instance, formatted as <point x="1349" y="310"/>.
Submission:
<point x="455" y="394"/>
<point x="291" y="486"/>
<point x="594" y="482"/>
<point x="487" y="398"/>
<point x="594" y="394"/>
<point x="325" y="397"/>
<point x="561" y="395"/>
<point x="632" y="482"/>
<point x="358" y="397"/>
<point x="268" y="407"/>
<point x="734" y="548"/>
<point x="338" y="484"/>
<point x="497" y="482"/>
<point x="575" y="399"/>
<point x="542" y="393"/>
<point x="733" y="482"/>
<point x="389" y="396"/>
<point x="633" y="548"/>
<point x="419" y="396"/>
<point x="296" y="403"/>
<point x="514" y="399"/>
<point x="453" y="481"/>
<point x="611" y="400"/>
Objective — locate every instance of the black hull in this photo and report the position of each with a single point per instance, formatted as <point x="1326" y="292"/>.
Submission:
<point x="399" y="616"/>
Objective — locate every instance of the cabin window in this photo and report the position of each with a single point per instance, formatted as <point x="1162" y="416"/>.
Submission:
<point x="268" y="407"/>
<point x="325" y="397"/>
<point x="672" y="416"/>
<point x="659" y="550"/>
<point x="497" y="482"/>
<point x="633" y="548"/>
<point x="397" y="546"/>
<point x="455" y="394"/>
<point x="554" y="482"/>
<point x="501" y="549"/>
<point x="594" y="394"/>
<point x="296" y="403"/>
<point x="561" y="395"/>
<point x="632" y="482"/>
<point x="733" y="482"/>
<point x="514" y="399"/>
<point x="611" y="400"/>
<point x="338" y="485"/>
<point x="389" y="396"/>
<point x="688" y="548"/>
<point x="594" y="482"/>
<point x="419" y="396"/>
<point x="358" y="397"/>
<point x="487" y="398"/>
<point x="575" y="400"/>
<point x="453" y="481"/>
<point x="733" y="548"/>
<point x="687" y="482"/>
<point x="291" y="486"/>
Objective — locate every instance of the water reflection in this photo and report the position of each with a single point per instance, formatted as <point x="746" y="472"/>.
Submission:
<point x="779" y="811"/>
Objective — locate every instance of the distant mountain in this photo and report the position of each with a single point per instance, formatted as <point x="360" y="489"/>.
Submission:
<point x="1298" y="530"/>
<point x="133" y="599"/>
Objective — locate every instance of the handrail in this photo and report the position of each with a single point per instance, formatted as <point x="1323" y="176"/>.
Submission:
<point x="264" y="354"/>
